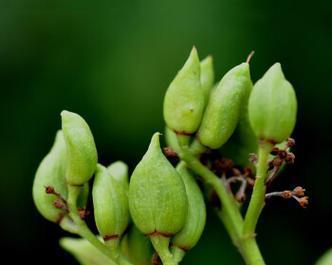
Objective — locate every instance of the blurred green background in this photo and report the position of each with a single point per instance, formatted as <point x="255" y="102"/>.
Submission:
<point x="111" y="61"/>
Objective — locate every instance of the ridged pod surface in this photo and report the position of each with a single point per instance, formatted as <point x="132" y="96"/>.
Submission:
<point x="157" y="196"/>
<point x="185" y="99"/>
<point x="81" y="148"/>
<point x="273" y="106"/>
<point x="223" y="110"/>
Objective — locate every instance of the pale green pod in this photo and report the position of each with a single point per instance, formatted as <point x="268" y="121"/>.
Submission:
<point x="119" y="171"/>
<point x="207" y="76"/>
<point x="137" y="247"/>
<point x="243" y="141"/>
<point x="110" y="204"/>
<point x="171" y="140"/>
<point x="326" y="259"/>
<point x="84" y="252"/>
<point x="272" y="106"/>
<point x="157" y="196"/>
<point x="185" y="100"/>
<point x="81" y="148"/>
<point x="51" y="173"/>
<point x="193" y="228"/>
<point x="223" y="110"/>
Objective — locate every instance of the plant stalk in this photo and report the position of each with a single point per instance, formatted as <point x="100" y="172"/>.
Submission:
<point x="257" y="200"/>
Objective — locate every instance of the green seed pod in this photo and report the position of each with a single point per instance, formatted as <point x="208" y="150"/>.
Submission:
<point x="84" y="252"/>
<point x="171" y="140"/>
<point x="243" y="141"/>
<point x="326" y="259"/>
<point x="223" y="110"/>
<point x="110" y="204"/>
<point x="51" y="173"/>
<point x="184" y="100"/>
<point x="137" y="247"/>
<point x="81" y="149"/>
<point x="157" y="196"/>
<point x="272" y="106"/>
<point x="196" y="218"/>
<point x="207" y="76"/>
<point x="119" y="171"/>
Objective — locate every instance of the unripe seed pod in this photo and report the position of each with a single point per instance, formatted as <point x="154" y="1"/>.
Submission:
<point x="171" y="140"/>
<point x="207" y="76"/>
<point x="51" y="173"/>
<point x="272" y="106"/>
<point x="84" y="252"/>
<point x="157" y="196"/>
<point x="196" y="218"/>
<point x="136" y="247"/>
<point x="81" y="148"/>
<point x="110" y="204"/>
<point x="119" y="171"/>
<point x="243" y="141"/>
<point x="184" y="100"/>
<point x="223" y="110"/>
<point x="326" y="259"/>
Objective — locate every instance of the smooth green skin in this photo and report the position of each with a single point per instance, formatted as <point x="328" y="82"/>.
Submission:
<point x="137" y="247"/>
<point x="84" y="252"/>
<point x="110" y="204"/>
<point x="207" y="76"/>
<point x="193" y="228"/>
<point x="185" y="99"/>
<point x="326" y="259"/>
<point x="272" y="106"/>
<point x="243" y="141"/>
<point x="51" y="172"/>
<point x="119" y="171"/>
<point x="81" y="148"/>
<point x="157" y="196"/>
<point x="223" y="110"/>
<point x="171" y="140"/>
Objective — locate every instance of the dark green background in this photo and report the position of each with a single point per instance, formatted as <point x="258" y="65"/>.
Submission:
<point x="111" y="61"/>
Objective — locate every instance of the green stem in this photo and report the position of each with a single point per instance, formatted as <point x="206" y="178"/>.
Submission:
<point x="257" y="200"/>
<point x="178" y="254"/>
<point x="230" y="214"/>
<point x="161" y="245"/>
<point x="83" y="230"/>
<point x="228" y="202"/>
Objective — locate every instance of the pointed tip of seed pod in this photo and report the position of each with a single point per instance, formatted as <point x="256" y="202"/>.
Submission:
<point x="207" y="62"/>
<point x="242" y="69"/>
<point x="275" y="72"/>
<point x="68" y="116"/>
<point x="192" y="63"/>
<point x="155" y="139"/>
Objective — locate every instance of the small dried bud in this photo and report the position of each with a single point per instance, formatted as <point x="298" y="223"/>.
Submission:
<point x="253" y="158"/>
<point x="299" y="191"/>
<point x="304" y="201"/>
<point x="290" y="142"/>
<point x="59" y="204"/>
<point x="169" y="152"/>
<point x="49" y="190"/>
<point x="275" y="151"/>
<point x="277" y="162"/>
<point x="282" y="154"/>
<point x="287" y="194"/>
<point x="290" y="158"/>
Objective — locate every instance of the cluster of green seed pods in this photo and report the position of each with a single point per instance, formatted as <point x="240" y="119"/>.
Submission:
<point x="161" y="206"/>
